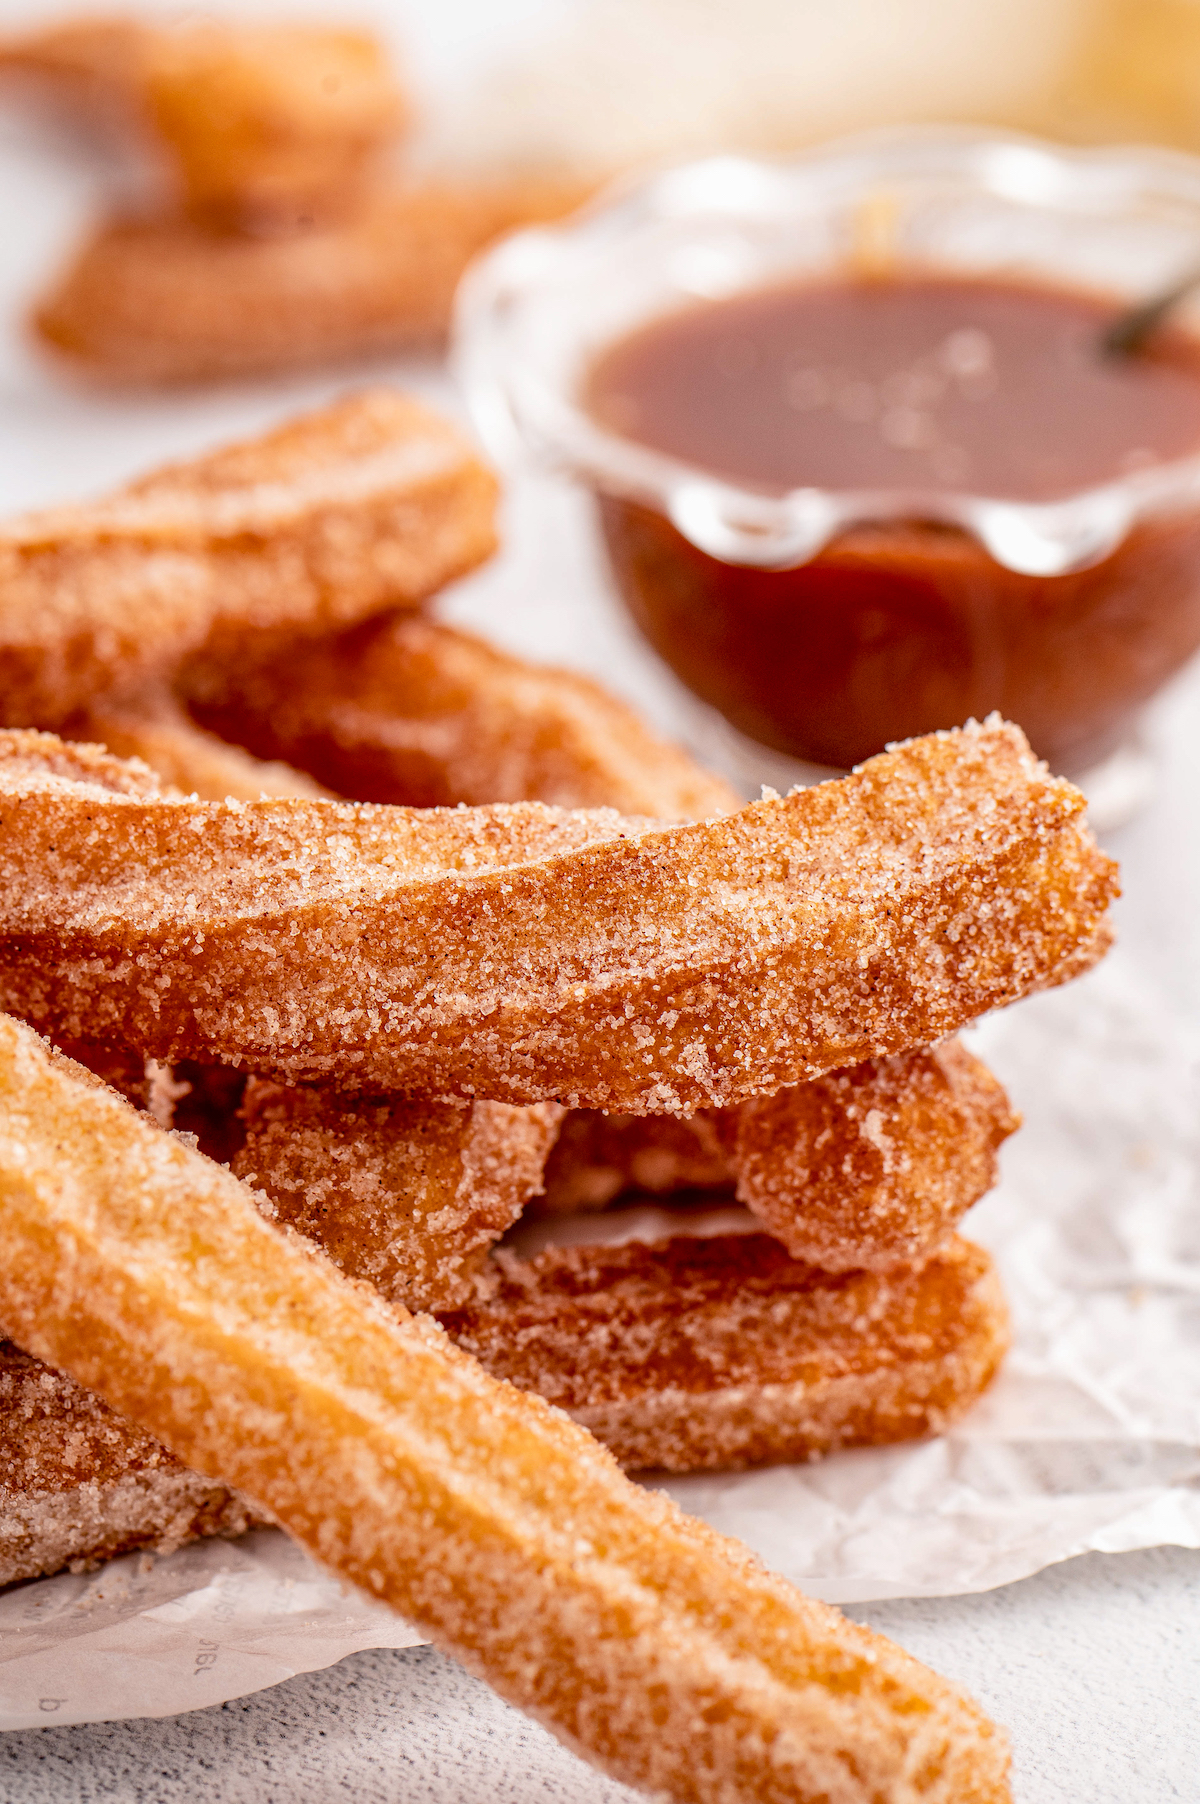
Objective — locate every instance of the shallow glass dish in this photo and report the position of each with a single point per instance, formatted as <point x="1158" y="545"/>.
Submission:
<point x="823" y="623"/>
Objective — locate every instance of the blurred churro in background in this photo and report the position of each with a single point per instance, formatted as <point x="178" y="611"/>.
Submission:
<point x="285" y="232"/>
<point x="261" y="127"/>
<point x="160" y="299"/>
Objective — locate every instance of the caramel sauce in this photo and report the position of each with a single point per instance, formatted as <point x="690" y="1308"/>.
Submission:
<point x="987" y="388"/>
<point x="919" y="383"/>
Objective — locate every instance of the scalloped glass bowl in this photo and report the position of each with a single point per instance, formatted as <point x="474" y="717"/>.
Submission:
<point x="822" y="623"/>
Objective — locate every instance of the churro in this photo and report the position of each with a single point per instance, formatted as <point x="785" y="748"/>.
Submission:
<point x="692" y="1354"/>
<point x="874" y="1165"/>
<point x="79" y="1484"/>
<point x="160" y="300"/>
<point x="664" y="1653"/>
<point x="264" y="126"/>
<point x="862" y="1168"/>
<point x="526" y="954"/>
<point x="368" y="504"/>
<point x="600" y="1157"/>
<point x="271" y="126"/>
<point x="154" y="727"/>
<point x="408" y="1195"/>
<point x="410" y="711"/>
<point x="89" y="68"/>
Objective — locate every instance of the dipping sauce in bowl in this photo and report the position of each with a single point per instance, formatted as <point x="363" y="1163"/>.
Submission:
<point x="926" y="383"/>
<point x="862" y="465"/>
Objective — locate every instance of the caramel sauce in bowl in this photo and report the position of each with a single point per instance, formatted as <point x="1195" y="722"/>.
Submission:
<point x="849" y="498"/>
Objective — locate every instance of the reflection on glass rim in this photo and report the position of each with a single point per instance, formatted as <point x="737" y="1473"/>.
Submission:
<point x="534" y="311"/>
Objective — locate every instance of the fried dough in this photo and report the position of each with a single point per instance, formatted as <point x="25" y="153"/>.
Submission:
<point x="264" y="126"/>
<point x="661" y="1651"/>
<point x="161" y="300"/>
<point x="154" y="727"/>
<point x="599" y="1157"/>
<point x="526" y="954"/>
<point x="864" y="1168"/>
<point x="700" y="1354"/>
<point x="874" y="1165"/>
<point x="408" y="1195"/>
<point x="692" y="1356"/>
<point x="79" y="1484"/>
<point x="371" y="503"/>
<point x="271" y="126"/>
<point x="410" y="711"/>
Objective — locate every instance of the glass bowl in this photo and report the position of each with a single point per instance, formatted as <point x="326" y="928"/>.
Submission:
<point x="823" y="623"/>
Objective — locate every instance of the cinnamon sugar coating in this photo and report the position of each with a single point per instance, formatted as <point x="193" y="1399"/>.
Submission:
<point x="160" y="299"/>
<point x="859" y="1169"/>
<point x="408" y="1195"/>
<point x="698" y="1354"/>
<point x="371" y="503"/>
<point x="660" y="1650"/>
<point x="522" y="953"/>
<point x="153" y="726"/>
<point x="876" y="1164"/>
<point x="78" y="1484"/>
<point x="410" y="711"/>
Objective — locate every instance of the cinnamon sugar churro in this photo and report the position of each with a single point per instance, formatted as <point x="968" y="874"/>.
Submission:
<point x="263" y="126"/>
<point x="369" y="504"/>
<point x="411" y="711"/>
<point x="692" y="1354"/>
<point x="526" y="954"/>
<point x="152" y="725"/>
<point x="599" y="1157"/>
<point x="79" y="1484"/>
<point x="647" y="1642"/>
<point x="876" y="1164"/>
<point x="408" y="1195"/>
<point x="857" y="1169"/>
<point x="161" y="300"/>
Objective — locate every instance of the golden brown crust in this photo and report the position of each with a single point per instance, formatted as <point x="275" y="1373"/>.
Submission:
<point x="161" y="300"/>
<point x="526" y="954"/>
<point x="78" y="1484"/>
<point x="371" y="503"/>
<point x="407" y="1195"/>
<point x="699" y="1354"/>
<point x="413" y="712"/>
<point x="862" y="1168"/>
<point x="664" y="1653"/>
<point x="154" y="727"/>
<point x="874" y="1165"/>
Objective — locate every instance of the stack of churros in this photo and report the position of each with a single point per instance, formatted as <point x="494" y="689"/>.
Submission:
<point x="282" y="236"/>
<point x="399" y="1040"/>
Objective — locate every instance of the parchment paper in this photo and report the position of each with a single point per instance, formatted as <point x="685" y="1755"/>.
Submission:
<point x="1089" y="1439"/>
